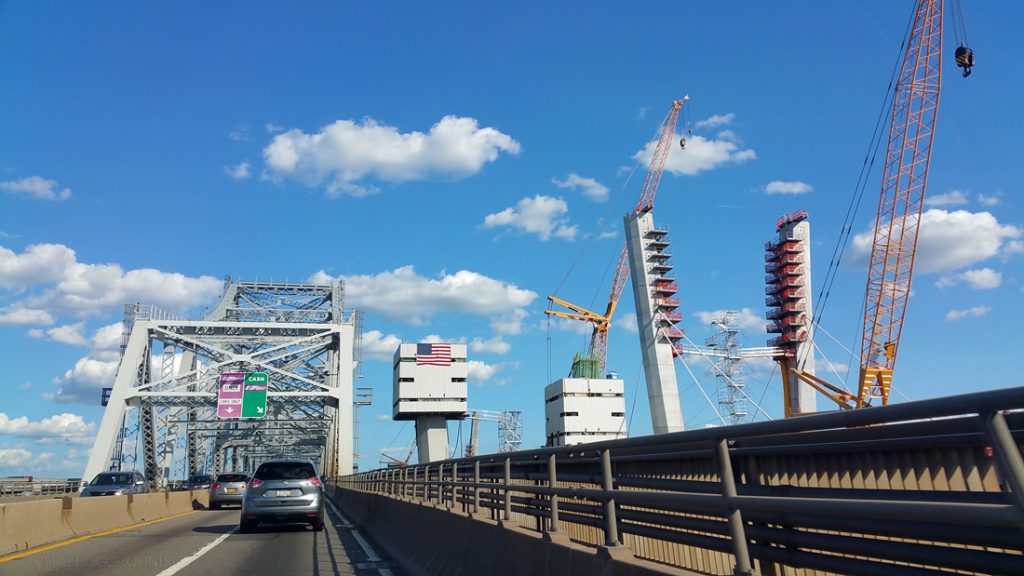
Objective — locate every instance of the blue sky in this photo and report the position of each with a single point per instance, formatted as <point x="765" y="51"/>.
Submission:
<point x="452" y="163"/>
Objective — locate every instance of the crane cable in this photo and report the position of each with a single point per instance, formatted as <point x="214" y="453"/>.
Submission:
<point x="862" y="181"/>
<point x="959" y="23"/>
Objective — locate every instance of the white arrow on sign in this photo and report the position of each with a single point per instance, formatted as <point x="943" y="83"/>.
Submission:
<point x="229" y="409"/>
<point x="259" y="409"/>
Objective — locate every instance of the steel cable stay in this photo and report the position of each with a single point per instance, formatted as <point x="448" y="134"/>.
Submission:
<point x="703" y="393"/>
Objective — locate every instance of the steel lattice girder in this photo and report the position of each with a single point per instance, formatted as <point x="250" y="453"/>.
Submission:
<point x="310" y="368"/>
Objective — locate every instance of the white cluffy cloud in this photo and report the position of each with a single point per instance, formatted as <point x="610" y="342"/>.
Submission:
<point x="401" y="294"/>
<point x="17" y="315"/>
<point x="36" y="187"/>
<point x="991" y="199"/>
<point x="981" y="279"/>
<point x="376" y="345"/>
<point x="66" y="427"/>
<point x="480" y="371"/>
<point x="701" y="154"/>
<point x="951" y="240"/>
<point x="91" y="373"/>
<point x="746" y="319"/>
<point x="346" y="152"/>
<point x="496" y="345"/>
<point x="238" y="171"/>
<point x="55" y="283"/>
<point x="68" y="334"/>
<point x="792" y="187"/>
<point x="974" y="311"/>
<point x="954" y="198"/>
<point x="716" y="120"/>
<point x="591" y="188"/>
<point x="540" y="215"/>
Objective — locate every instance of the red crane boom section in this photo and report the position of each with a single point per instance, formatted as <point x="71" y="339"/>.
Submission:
<point x="908" y="155"/>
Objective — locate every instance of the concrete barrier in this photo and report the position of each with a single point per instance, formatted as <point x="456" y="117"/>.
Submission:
<point x="27" y="524"/>
<point x="34" y="523"/>
<point x="423" y="539"/>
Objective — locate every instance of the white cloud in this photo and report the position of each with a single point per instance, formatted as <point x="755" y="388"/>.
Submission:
<point x="68" y="334"/>
<point x="66" y="427"/>
<point x="627" y="322"/>
<point x="591" y="188"/>
<point x="273" y="128"/>
<point x="401" y="294"/>
<point x="11" y="316"/>
<point x="791" y="187"/>
<point x="954" y="198"/>
<point x="991" y="200"/>
<point x="746" y="318"/>
<point x="481" y="371"/>
<point x="1014" y="247"/>
<point x="973" y="311"/>
<point x="36" y="334"/>
<point x="238" y="171"/>
<point x="376" y="345"/>
<point x="346" y="152"/>
<point x="26" y="386"/>
<point x="568" y="325"/>
<point x="239" y="133"/>
<point x="106" y="342"/>
<point x="88" y="289"/>
<point x="700" y="154"/>
<point x="511" y="323"/>
<point x="716" y="120"/>
<point x="15" y="457"/>
<point x="84" y="382"/>
<point x="383" y="417"/>
<point x="981" y="279"/>
<point x="36" y="187"/>
<point x="496" y="345"/>
<point x="38" y="264"/>
<point x="540" y="215"/>
<point x="949" y="240"/>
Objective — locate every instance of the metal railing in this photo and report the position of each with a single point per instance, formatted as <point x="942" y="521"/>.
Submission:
<point x="929" y="487"/>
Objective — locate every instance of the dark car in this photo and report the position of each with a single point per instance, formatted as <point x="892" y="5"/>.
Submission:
<point x="197" y="482"/>
<point x="283" y="491"/>
<point x="228" y="488"/>
<point x="115" y="484"/>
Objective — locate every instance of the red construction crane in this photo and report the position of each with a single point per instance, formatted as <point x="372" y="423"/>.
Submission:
<point x="599" y="337"/>
<point x="908" y="155"/>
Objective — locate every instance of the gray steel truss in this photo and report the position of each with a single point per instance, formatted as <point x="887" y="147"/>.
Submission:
<point x="168" y="379"/>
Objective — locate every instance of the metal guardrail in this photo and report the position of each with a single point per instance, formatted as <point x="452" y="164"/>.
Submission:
<point x="929" y="487"/>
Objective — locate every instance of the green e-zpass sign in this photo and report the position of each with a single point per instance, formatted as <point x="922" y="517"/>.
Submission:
<point x="254" y="395"/>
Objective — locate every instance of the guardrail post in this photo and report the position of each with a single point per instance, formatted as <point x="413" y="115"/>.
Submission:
<point x="455" y="488"/>
<point x="427" y="492"/>
<point x="611" y="524"/>
<point x="476" y="487"/>
<point x="1008" y="459"/>
<point x="554" y="497"/>
<point x="405" y="482"/>
<point x="737" y="534"/>
<point x="442" y="494"/>
<point x="508" y="493"/>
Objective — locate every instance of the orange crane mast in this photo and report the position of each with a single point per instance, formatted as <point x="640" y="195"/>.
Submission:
<point x="908" y="155"/>
<point x="601" y="322"/>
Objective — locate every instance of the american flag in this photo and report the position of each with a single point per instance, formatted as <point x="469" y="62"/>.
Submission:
<point x="433" y="354"/>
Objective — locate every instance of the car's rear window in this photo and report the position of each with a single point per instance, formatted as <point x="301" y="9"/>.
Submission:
<point x="285" y="471"/>
<point x="199" y="479"/>
<point x="103" y="479"/>
<point x="232" y="478"/>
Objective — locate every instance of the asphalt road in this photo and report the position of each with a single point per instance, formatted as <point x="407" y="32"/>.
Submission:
<point x="207" y="543"/>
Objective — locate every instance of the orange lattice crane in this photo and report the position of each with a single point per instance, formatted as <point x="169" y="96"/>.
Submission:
<point x="908" y="155"/>
<point x="599" y="337"/>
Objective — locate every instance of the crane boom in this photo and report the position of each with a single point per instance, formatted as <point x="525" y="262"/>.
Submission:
<point x="601" y="322"/>
<point x="908" y="155"/>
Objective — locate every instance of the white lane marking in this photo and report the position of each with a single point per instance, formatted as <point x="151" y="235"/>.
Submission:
<point x="371" y="554"/>
<point x="186" y="561"/>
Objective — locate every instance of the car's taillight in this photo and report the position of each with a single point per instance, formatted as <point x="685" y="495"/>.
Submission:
<point x="214" y="486"/>
<point x="255" y="483"/>
<point x="314" y="481"/>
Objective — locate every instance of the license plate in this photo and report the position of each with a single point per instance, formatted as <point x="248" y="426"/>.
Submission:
<point x="230" y="490"/>
<point x="284" y="492"/>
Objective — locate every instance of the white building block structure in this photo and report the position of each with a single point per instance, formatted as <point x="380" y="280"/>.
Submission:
<point x="430" y="387"/>
<point x="583" y="410"/>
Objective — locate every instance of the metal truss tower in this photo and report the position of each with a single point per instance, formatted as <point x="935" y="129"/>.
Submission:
<point x="510" y="431"/>
<point x="168" y="378"/>
<point x="732" y="397"/>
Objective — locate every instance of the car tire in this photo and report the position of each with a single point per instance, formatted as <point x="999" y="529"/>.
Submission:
<point x="214" y="505"/>
<point x="244" y="527"/>
<point x="318" y="526"/>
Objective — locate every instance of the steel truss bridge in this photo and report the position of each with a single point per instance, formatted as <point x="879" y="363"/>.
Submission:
<point x="161" y="412"/>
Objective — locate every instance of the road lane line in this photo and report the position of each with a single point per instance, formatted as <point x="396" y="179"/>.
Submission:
<point x="186" y="561"/>
<point x="18" y="555"/>
<point x="371" y="554"/>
